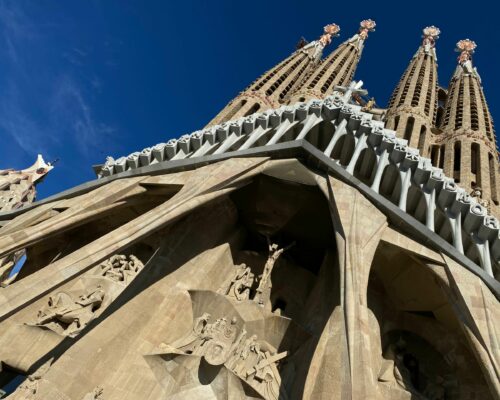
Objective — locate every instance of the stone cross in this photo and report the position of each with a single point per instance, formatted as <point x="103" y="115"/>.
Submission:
<point x="353" y="88"/>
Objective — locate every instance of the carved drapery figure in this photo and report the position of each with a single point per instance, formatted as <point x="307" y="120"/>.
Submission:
<point x="265" y="284"/>
<point x="241" y="283"/>
<point x="395" y="370"/>
<point x="69" y="315"/>
<point x="257" y="367"/>
<point x="219" y="343"/>
<point x="120" y="269"/>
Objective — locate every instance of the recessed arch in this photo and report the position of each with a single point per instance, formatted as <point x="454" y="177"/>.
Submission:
<point x="366" y="166"/>
<point x="344" y="149"/>
<point x="390" y="184"/>
<point x="415" y="204"/>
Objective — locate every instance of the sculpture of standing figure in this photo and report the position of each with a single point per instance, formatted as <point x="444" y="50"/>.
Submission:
<point x="265" y="285"/>
<point x="240" y="285"/>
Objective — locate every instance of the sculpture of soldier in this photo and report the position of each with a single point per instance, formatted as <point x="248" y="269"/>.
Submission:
<point x="72" y="314"/>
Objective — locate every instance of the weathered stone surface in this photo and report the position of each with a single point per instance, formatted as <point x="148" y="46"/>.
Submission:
<point x="251" y="278"/>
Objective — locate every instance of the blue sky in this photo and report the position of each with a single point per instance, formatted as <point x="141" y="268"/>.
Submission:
<point x="82" y="79"/>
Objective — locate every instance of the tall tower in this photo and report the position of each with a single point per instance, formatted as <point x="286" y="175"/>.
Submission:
<point x="17" y="188"/>
<point x="336" y="69"/>
<point x="468" y="136"/>
<point x="413" y="105"/>
<point x="269" y="90"/>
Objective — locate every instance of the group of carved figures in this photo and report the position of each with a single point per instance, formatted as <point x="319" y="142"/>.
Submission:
<point x="219" y="343"/>
<point x="243" y="280"/>
<point x="401" y="369"/>
<point x="29" y="389"/>
<point x="68" y="313"/>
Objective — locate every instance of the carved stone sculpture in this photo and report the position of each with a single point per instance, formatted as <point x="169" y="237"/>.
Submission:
<point x="219" y="343"/>
<point x="70" y="315"/>
<point x="119" y="269"/>
<point x="394" y="372"/>
<point x="241" y="283"/>
<point x="265" y="284"/>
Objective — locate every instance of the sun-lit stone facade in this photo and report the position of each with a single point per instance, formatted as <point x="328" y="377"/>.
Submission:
<point x="307" y="250"/>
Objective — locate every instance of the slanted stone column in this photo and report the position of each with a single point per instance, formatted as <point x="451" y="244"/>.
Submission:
<point x="359" y="226"/>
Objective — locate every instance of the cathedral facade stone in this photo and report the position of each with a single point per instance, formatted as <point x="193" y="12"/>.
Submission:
<point x="305" y="251"/>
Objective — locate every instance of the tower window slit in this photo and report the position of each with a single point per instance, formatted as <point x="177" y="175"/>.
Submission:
<point x="457" y="154"/>
<point x="396" y="123"/>
<point x="460" y="105"/>
<point x="442" y="149"/>
<point x="474" y="117"/>
<point x="474" y="158"/>
<point x="252" y="110"/>
<point x="493" y="181"/>
<point x="421" y="138"/>
<point x="409" y="128"/>
<point x="434" y="154"/>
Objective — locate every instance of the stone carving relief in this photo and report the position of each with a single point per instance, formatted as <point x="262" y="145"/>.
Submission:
<point x="402" y="370"/>
<point x="223" y="343"/>
<point x="242" y="285"/>
<point x="477" y="194"/>
<point x="28" y="390"/>
<point x="68" y="312"/>
<point x="119" y="269"/>
<point x="68" y="315"/>
<point x="263" y="293"/>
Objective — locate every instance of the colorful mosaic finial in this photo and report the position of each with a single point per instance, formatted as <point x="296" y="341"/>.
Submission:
<point x="430" y="35"/>
<point x="331" y="30"/>
<point x="466" y="48"/>
<point x="366" y="26"/>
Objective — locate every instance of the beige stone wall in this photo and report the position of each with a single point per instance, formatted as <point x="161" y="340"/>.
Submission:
<point x="348" y="301"/>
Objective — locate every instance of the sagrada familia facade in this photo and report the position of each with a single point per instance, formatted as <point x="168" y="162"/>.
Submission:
<point x="306" y="244"/>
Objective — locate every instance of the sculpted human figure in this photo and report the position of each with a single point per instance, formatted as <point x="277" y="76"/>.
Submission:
<point x="248" y="354"/>
<point x="240" y="285"/>
<point x="236" y="349"/>
<point x="265" y="285"/>
<point x="477" y="193"/>
<point x="393" y="370"/>
<point x="74" y="314"/>
<point x="119" y="269"/>
<point x="435" y="389"/>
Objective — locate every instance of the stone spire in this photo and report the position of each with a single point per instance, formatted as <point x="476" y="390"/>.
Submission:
<point x="413" y="105"/>
<point x="17" y="188"/>
<point x="335" y="70"/>
<point x="467" y="134"/>
<point x="269" y="90"/>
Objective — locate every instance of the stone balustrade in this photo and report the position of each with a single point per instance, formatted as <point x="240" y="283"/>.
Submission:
<point x="366" y="149"/>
